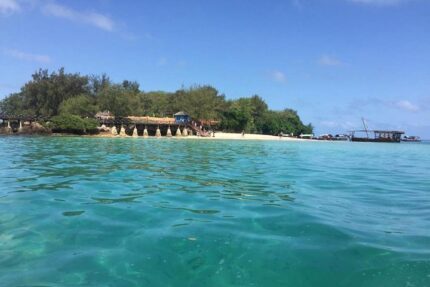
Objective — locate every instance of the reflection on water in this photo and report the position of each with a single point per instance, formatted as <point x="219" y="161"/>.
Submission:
<point x="147" y="212"/>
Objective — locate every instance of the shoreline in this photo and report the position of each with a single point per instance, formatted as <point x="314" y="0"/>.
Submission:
<point x="218" y="136"/>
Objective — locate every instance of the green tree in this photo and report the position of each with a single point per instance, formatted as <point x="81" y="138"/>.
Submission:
<point x="117" y="100"/>
<point x="14" y="105"/>
<point x="81" y="105"/>
<point x="245" y="114"/>
<point x="286" y="121"/>
<point x="43" y="95"/>
<point x="157" y="103"/>
<point x="200" y="102"/>
<point x="132" y="86"/>
<point x="238" y="117"/>
<point x="96" y="84"/>
<point x="45" y="92"/>
<point x="259" y="108"/>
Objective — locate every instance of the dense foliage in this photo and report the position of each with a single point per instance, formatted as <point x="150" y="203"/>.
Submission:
<point x="59" y="93"/>
<point x="73" y="124"/>
<point x="81" y="105"/>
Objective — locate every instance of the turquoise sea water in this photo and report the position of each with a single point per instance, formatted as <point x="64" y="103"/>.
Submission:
<point x="147" y="212"/>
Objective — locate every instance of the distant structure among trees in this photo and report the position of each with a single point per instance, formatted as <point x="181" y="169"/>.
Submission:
<point x="59" y="93"/>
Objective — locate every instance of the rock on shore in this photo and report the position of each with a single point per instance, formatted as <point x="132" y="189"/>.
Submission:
<point x="33" y="128"/>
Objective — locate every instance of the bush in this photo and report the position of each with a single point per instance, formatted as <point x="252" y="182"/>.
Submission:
<point x="73" y="124"/>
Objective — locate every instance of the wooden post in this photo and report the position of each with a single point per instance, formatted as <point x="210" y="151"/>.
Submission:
<point x="169" y="132"/>
<point x="145" y="132"/>
<point x="135" y="132"/>
<point x="158" y="132"/>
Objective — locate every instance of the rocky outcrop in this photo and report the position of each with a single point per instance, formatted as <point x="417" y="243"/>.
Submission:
<point x="5" y="131"/>
<point x="33" y="128"/>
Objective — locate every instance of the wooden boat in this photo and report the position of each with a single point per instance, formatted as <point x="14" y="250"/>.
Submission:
<point x="378" y="136"/>
<point x="384" y="136"/>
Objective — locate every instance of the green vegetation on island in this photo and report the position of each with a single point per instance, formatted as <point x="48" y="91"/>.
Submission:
<point x="71" y="100"/>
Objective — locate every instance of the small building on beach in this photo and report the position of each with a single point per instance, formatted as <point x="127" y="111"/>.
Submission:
<point x="182" y="117"/>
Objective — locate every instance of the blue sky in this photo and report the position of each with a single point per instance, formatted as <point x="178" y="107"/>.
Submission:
<point x="334" y="61"/>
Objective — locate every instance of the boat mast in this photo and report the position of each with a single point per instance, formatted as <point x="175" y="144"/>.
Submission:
<point x="365" y="127"/>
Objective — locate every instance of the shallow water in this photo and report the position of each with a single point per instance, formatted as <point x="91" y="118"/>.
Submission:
<point x="147" y="212"/>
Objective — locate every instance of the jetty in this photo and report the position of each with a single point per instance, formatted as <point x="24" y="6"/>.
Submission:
<point x="22" y="124"/>
<point x="181" y="124"/>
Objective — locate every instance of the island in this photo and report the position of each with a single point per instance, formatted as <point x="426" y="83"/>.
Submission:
<point x="71" y="103"/>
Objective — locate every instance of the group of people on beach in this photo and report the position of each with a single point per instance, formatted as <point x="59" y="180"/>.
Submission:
<point x="202" y="129"/>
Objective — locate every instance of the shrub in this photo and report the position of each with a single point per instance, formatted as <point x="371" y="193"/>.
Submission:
<point x="66" y="123"/>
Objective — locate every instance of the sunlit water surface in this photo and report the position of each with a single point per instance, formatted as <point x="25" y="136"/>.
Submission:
<point x="147" y="212"/>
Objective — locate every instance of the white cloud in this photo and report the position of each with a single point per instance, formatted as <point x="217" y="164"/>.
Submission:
<point x="95" y="19"/>
<point x="327" y="60"/>
<point x="380" y="2"/>
<point x="27" y="56"/>
<point x="406" y="106"/>
<point x="278" y="76"/>
<point x="9" y="6"/>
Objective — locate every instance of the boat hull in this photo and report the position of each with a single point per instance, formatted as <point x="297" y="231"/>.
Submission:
<point x="378" y="140"/>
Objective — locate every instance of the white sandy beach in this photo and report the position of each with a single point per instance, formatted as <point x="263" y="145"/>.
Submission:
<point x="239" y="136"/>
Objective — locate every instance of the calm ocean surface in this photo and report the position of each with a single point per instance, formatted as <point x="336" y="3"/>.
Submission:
<point x="147" y="212"/>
